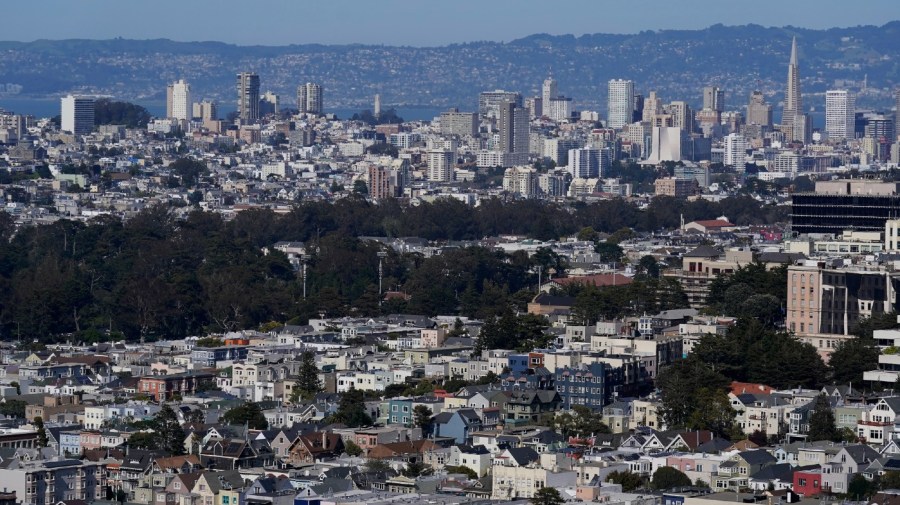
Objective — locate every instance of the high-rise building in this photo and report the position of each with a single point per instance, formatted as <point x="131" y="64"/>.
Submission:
<point x="897" y="110"/>
<point x="589" y="162"/>
<point x="620" y="103"/>
<point x="490" y="102"/>
<point x="535" y="106"/>
<point x="205" y="111"/>
<point x="682" y="117"/>
<point x="454" y="122"/>
<point x="248" y="96"/>
<point x="77" y="115"/>
<point x="549" y="91"/>
<point x="521" y="180"/>
<point x="652" y="107"/>
<point x="637" y="112"/>
<point x="440" y="165"/>
<point x="713" y="99"/>
<point x="178" y="100"/>
<point x="793" y="100"/>
<point x="758" y="111"/>
<point x="558" y="108"/>
<point x="514" y="128"/>
<point x="840" y="114"/>
<point x="309" y="98"/>
<point x="735" y="151"/>
<point x="268" y="104"/>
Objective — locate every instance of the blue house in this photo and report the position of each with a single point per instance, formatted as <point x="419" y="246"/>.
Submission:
<point x="209" y="356"/>
<point x="400" y="411"/>
<point x="517" y="362"/>
<point x="591" y="386"/>
<point x="458" y="424"/>
<point x="70" y="443"/>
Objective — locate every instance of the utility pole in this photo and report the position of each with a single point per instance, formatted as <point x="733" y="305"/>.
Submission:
<point x="304" y="258"/>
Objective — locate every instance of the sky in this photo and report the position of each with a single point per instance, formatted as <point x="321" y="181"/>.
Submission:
<point x="410" y="22"/>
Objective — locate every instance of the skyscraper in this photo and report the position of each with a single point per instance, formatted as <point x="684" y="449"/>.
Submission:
<point x="588" y="162"/>
<point x="549" y="91"/>
<point x="897" y="110"/>
<point x="840" y="114"/>
<point x="248" y="96"/>
<point x="758" y="111"/>
<point x="178" y="100"/>
<point x="77" y="114"/>
<point x="620" y="103"/>
<point x="514" y="128"/>
<point x="490" y="102"/>
<point x="714" y="99"/>
<point x="793" y="101"/>
<point x="309" y="98"/>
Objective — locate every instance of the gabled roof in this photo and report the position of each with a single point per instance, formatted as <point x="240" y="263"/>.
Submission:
<point x="703" y="251"/>
<point x="781" y="471"/>
<point x="523" y="455"/>
<point x="757" y="457"/>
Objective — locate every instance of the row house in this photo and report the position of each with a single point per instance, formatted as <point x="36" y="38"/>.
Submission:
<point x="165" y="387"/>
<point x="44" y="482"/>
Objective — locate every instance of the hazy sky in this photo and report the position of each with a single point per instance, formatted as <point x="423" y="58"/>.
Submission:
<point x="409" y="22"/>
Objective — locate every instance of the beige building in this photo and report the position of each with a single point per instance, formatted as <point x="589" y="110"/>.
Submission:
<point x="702" y="266"/>
<point x="674" y="187"/>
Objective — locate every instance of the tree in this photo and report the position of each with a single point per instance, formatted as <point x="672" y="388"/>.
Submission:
<point x="169" y="433"/>
<point x="196" y="416"/>
<point x="248" y="413"/>
<point x="352" y="410"/>
<point x="352" y="449"/>
<point x="142" y="440"/>
<point x="377" y="465"/>
<point x="547" y="496"/>
<point x="821" y="421"/>
<point x="16" y="385"/>
<point x="684" y="387"/>
<point x="851" y="358"/>
<point x="414" y="469"/>
<point x="13" y="408"/>
<point x="422" y="417"/>
<point x="468" y="472"/>
<point x="42" y="439"/>
<point x="609" y="252"/>
<point x="628" y="480"/>
<point x="360" y="187"/>
<point x="890" y="480"/>
<point x="860" y="488"/>
<point x="209" y="342"/>
<point x="667" y="477"/>
<point x="308" y="383"/>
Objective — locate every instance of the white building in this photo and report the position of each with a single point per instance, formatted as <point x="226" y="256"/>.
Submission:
<point x="559" y="108"/>
<point x="520" y="180"/>
<point x="620" y="103"/>
<point x="309" y="98"/>
<point x="440" y="165"/>
<point x="77" y="115"/>
<point x="735" y="150"/>
<point x="549" y="91"/>
<point x="178" y="100"/>
<point x="588" y="162"/>
<point x="840" y="108"/>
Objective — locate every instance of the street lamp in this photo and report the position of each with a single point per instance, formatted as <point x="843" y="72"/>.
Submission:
<point x="381" y="256"/>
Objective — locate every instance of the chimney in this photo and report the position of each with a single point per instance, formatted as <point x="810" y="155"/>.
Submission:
<point x="324" y="440"/>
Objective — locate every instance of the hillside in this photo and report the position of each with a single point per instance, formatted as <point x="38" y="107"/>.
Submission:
<point x="675" y="63"/>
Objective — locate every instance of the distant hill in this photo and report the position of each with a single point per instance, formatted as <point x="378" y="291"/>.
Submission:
<point x="677" y="64"/>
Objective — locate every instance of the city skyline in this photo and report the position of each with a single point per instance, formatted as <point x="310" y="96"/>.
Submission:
<point x="343" y="22"/>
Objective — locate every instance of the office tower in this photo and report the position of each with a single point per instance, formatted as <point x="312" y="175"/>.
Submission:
<point x="620" y="103"/>
<point x="758" y="111"/>
<point x="549" y="91"/>
<point x="735" y="150"/>
<point x="178" y="100"/>
<point x="513" y="128"/>
<point x="713" y="99"/>
<point x="248" y="96"/>
<point x="652" y="107"/>
<point x="489" y="102"/>
<point x="801" y="128"/>
<point x="793" y="100"/>
<point x="377" y="108"/>
<point x="454" y="122"/>
<point x="535" y="106"/>
<point x="440" y="165"/>
<point x="558" y="108"/>
<point x="268" y="104"/>
<point x="897" y="109"/>
<point x="840" y="114"/>
<point x="638" y="110"/>
<point x="204" y="111"/>
<point x="682" y="117"/>
<point x="77" y="115"/>
<point x="589" y="162"/>
<point x="309" y="98"/>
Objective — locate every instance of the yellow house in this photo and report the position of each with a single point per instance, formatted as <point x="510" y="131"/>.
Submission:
<point x="220" y="488"/>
